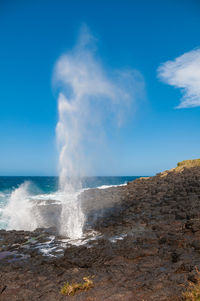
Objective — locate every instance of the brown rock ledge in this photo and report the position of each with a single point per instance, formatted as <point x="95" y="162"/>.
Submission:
<point x="148" y="250"/>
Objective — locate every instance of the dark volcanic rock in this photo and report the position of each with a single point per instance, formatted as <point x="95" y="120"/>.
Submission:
<point x="88" y="256"/>
<point x="148" y="249"/>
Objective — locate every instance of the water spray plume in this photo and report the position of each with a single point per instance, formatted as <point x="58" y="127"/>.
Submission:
<point x="89" y="101"/>
<point x="92" y="103"/>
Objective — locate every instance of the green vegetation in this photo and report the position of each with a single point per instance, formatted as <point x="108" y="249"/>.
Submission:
<point x="70" y="289"/>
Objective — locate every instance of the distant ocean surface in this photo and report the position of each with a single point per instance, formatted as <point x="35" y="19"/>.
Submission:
<point x="17" y="195"/>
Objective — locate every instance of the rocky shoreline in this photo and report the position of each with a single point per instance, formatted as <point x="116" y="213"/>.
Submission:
<point x="146" y="245"/>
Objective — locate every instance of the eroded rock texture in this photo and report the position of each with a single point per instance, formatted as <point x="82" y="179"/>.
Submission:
<point x="148" y="247"/>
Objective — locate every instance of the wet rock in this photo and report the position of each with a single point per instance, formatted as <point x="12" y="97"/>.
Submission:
<point x="87" y="256"/>
<point x="148" y="245"/>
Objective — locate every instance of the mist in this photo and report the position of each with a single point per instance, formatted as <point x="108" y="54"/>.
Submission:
<point x="91" y="102"/>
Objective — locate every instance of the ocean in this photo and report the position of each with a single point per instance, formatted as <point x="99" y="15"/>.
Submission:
<point x="21" y="196"/>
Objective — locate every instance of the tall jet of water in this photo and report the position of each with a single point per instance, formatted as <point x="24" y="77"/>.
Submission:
<point x="89" y="100"/>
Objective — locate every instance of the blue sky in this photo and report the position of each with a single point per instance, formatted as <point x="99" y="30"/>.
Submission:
<point x="132" y="34"/>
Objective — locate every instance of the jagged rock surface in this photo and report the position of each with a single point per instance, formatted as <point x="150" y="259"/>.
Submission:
<point x="148" y="250"/>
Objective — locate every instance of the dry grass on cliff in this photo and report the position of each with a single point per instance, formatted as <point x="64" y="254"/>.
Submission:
<point x="194" y="162"/>
<point x="70" y="289"/>
<point x="181" y="166"/>
<point x="193" y="291"/>
<point x="188" y="163"/>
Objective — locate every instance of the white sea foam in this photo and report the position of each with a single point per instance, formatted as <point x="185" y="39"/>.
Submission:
<point x="18" y="212"/>
<point x="117" y="237"/>
<point x="23" y="210"/>
<point x="2" y="195"/>
<point x="108" y="186"/>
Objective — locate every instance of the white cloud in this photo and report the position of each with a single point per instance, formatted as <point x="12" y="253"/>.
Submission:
<point x="184" y="73"/>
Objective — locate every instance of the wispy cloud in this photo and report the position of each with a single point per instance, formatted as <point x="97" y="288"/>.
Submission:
<point x="184" y="73"/>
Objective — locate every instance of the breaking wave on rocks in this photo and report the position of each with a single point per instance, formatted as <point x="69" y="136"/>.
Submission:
<point x="90" y="102"/>
<point x="25" y="210"/>
<point x="37" y="203"/>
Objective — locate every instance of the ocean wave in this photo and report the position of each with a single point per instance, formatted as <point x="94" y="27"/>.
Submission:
<point x="26" y="208"/>
<point x="108" y="186"/>
<point x="17" y="214"/>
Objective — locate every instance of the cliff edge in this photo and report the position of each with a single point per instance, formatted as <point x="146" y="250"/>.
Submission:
<point x="147" y="245"/>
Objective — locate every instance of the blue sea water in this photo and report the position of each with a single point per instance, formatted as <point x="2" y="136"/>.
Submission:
<point x="50" y="184"/>
<point x="17" y="195"/>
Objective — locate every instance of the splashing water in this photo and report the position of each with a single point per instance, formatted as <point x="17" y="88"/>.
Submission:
<point x="18" y="213"/>
<point x="90" y="103"/>
<point x="88" y="99"/>
<point x="72" y="217"/>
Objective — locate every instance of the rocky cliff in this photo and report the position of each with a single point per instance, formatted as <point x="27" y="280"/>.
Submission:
<point x="147" y="247"/>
